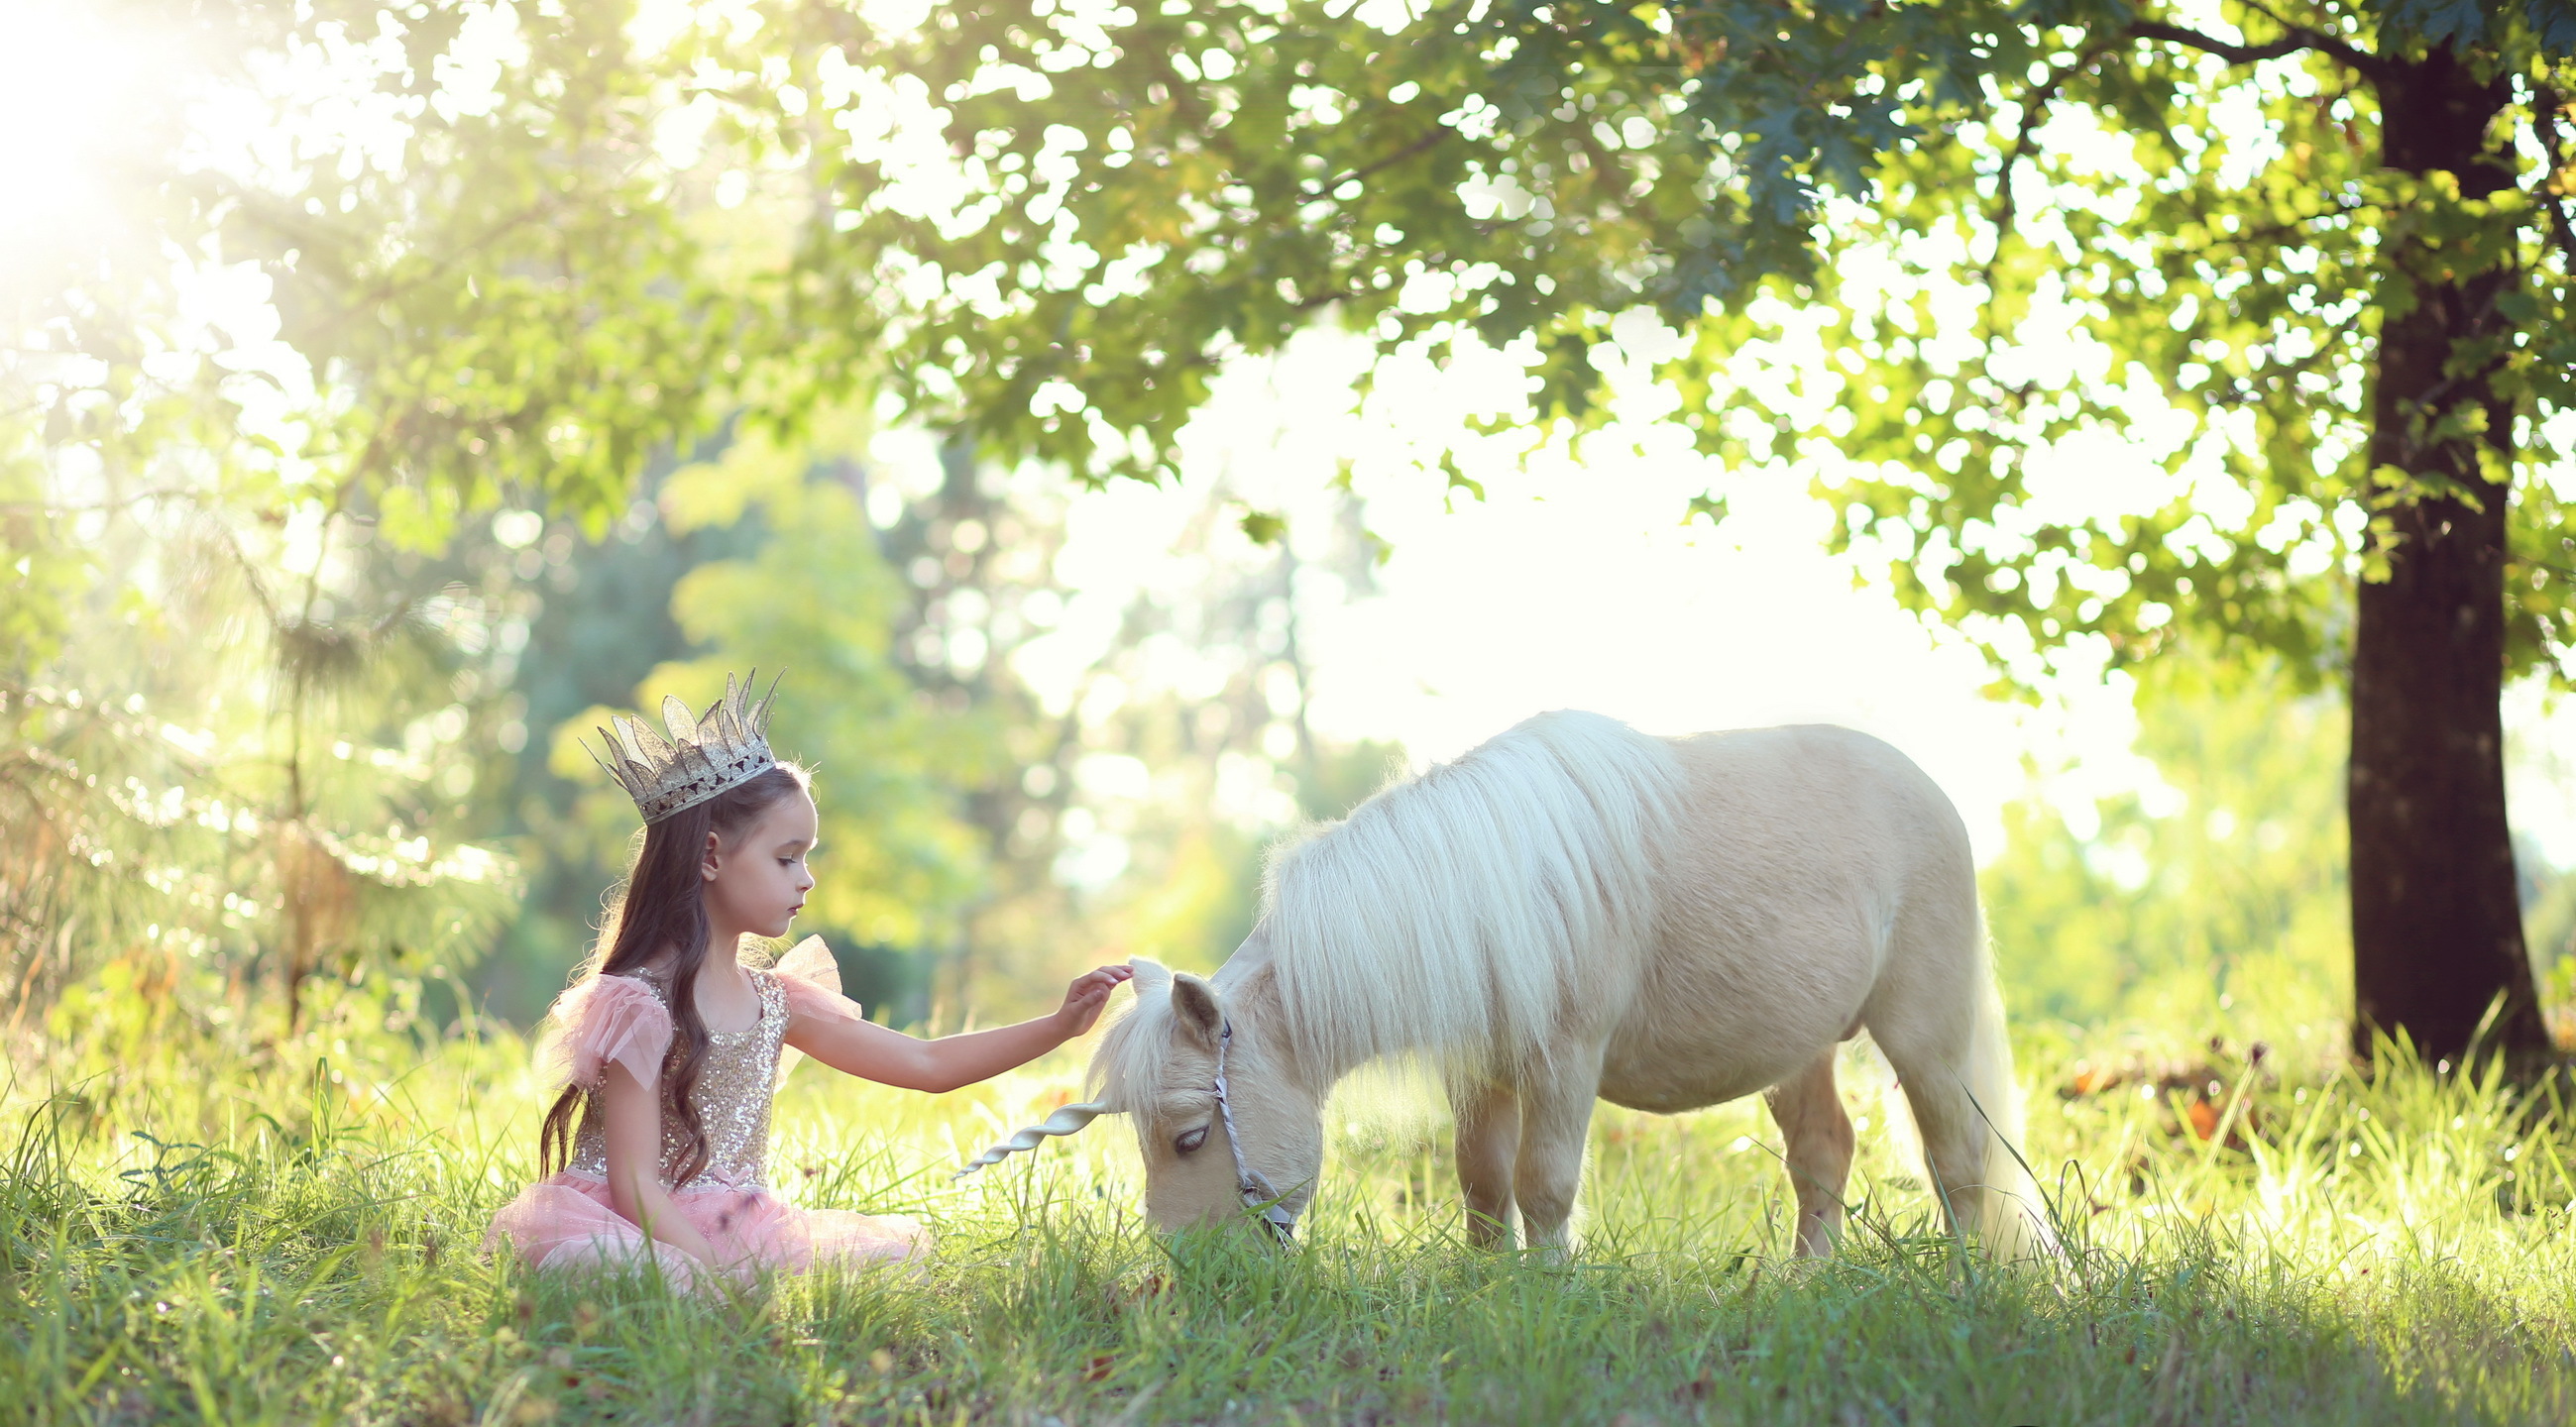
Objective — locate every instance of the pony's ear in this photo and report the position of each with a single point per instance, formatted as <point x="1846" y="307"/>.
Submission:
<point x="1151" y="975"/>
<point x="1195" y="1012"/>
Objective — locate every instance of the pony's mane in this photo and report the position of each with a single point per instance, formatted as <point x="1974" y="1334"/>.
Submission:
<point x="1133" y="1051"/>
<point x="1448" y="917"/>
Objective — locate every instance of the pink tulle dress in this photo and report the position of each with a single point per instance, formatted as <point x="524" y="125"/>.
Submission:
<point x="569" y="1221"/>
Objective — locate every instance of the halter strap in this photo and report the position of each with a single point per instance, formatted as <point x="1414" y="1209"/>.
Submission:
<point x="1257" y="1194"/>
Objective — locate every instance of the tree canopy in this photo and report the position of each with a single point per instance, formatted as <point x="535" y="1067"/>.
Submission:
<point x="2007" y="228"/>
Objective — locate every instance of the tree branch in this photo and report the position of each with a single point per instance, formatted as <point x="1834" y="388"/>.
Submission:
<point x="1325" y="189"/>
<point x="2293" y="41"/>
<point x="2265" y="233"/>
<point x="2027" y="139"/>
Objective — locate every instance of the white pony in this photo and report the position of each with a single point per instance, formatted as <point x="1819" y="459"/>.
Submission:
<point x="1573" y="911"/>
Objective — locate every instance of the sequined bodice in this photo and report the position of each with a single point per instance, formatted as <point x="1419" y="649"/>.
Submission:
<point x="735" y="1084"/>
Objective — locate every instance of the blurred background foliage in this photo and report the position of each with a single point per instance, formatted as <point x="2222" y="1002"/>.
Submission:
<point x="2221" y="884"/>
<point x="369" y="469"/>
<point x="216" y="795"/>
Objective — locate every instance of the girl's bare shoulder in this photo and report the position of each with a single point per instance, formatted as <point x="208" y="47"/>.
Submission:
<point x="654" y="973"/>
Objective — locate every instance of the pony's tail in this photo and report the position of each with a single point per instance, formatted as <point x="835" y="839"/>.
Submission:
<point x="2012" y="1215"/>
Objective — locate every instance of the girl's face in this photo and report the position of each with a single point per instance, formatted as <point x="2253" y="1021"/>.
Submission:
<point x="757" y="882"/>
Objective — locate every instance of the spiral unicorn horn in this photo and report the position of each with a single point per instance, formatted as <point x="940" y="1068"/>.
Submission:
<point x="1067" y="1120"/>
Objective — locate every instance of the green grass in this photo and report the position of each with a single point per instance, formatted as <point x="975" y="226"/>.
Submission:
<point x="192" y="1234"/>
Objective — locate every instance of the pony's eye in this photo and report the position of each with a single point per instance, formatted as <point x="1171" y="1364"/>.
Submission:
<point x="1191" y="1140"/>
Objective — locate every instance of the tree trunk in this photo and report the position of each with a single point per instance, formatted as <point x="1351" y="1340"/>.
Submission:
<point x="2436" y="921"/>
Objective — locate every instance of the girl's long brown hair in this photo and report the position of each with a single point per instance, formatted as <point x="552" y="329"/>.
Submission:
<point x="664" y="908"/>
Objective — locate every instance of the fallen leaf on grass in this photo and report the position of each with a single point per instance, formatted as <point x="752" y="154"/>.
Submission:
<point x="2204" y="1119"/>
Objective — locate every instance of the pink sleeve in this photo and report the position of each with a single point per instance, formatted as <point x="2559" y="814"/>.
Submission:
<point x="812" y="981"/>
<point x="607" y="1020"/>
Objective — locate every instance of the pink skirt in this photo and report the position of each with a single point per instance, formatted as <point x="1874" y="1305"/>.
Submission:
<point x="569" y="1221"/>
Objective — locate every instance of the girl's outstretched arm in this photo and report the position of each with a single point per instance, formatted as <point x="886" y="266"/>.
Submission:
<point x="872" y="1052"/>
<point x="633" y="1130"/>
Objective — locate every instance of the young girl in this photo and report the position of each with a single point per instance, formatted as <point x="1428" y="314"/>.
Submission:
<point x="669" y="1051"/>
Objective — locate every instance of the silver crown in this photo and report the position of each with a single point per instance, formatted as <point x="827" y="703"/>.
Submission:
<point x="701" y="759"/>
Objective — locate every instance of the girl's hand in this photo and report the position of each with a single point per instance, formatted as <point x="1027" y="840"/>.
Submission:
<point x="1084" y="999"/>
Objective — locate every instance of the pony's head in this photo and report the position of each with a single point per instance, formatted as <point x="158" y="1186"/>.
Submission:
<point x="1159" y="1064"/>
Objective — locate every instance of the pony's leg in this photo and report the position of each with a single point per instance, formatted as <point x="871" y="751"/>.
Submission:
<point x="1489" y="1139"/>
<point x="1933" y="1068"/>
<point x="1810" y="1114"/>
<point x="1556" y="1120"/>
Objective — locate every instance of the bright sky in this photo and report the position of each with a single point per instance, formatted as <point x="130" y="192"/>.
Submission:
<point x="48" y="180"/>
